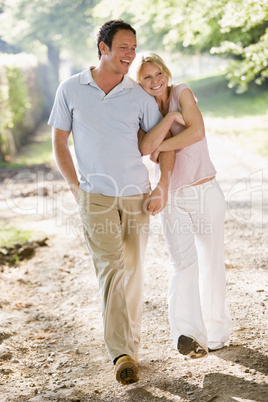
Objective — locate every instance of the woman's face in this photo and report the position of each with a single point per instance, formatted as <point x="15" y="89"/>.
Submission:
<point x="152" y="79"/>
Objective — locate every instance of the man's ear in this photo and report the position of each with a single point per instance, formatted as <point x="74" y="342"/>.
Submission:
<point x="103" y="47"/>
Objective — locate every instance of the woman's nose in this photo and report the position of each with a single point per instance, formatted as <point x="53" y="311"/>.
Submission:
<point x="155" y="79"/>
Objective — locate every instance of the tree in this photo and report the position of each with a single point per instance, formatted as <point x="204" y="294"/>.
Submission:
<point x="55" y="25"/>
<point x="142" y="14"/>
<point x="227" y="27"/>
<point x="246" y="30"/>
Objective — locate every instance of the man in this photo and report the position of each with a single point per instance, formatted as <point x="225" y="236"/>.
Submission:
<point x="104" y="109"/>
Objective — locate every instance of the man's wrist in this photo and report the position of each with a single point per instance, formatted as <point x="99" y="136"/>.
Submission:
<point x="73" y="186"/>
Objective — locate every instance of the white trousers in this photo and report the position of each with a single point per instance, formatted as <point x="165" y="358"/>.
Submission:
<point x="193" y="227"/>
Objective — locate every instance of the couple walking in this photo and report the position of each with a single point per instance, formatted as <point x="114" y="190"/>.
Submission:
<point x="115" y="120"/>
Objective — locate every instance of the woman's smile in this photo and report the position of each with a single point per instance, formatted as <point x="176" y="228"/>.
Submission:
<point x="153" y="80"/>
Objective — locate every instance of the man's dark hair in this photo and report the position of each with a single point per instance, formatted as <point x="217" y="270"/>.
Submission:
<point x="108" y="30"/>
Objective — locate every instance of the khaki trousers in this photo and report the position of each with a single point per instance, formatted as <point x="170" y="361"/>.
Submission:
<point x="116" y="231"/>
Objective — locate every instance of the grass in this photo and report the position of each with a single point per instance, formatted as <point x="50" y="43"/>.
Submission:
<point x="243" y="116"/>
<point x="10" y="235"/>
<point x="37" y="150"/>
<point x="217" y="100"/>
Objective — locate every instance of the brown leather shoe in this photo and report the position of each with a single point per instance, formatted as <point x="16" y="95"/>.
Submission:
<point x="126" y="371"/>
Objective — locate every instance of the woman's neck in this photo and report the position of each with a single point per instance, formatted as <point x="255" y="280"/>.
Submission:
<point x="163" y="101"/>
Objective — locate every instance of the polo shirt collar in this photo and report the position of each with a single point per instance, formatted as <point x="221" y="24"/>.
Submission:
<point x="86" y="78"/>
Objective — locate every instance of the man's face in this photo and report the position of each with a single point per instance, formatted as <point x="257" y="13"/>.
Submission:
<point x="122" y="52"/>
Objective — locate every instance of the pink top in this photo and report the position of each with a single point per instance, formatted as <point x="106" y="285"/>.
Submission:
<point x="192" y="163"/>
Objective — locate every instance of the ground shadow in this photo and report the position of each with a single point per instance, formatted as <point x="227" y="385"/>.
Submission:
<point x="216" y="386"/>
<point x="224" y="387"/>
<point x="246" y="357"/>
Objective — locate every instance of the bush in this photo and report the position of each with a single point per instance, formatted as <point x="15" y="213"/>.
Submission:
<point x="21" y="101"/>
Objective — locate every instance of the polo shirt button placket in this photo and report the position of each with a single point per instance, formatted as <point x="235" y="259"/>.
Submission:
<point x="104" y="98"/>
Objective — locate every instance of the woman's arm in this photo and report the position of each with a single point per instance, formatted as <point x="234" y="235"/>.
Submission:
<point x="157" y="200"/>
<point x="195" y="130"/>
<point x="148" y="142"/>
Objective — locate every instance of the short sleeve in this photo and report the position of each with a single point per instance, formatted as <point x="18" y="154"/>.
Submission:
<point x="151" y="115"/>
<point x="61" y="113"/>
<point x="175" y="96"/>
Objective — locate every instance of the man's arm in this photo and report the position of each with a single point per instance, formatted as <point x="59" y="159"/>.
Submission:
<point x="64" y="159"/>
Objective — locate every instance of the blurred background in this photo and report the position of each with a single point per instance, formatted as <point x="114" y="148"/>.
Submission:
<point x="219" y="47"/>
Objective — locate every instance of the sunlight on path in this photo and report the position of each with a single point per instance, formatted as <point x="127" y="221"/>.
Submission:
<point x="243" y="176"/>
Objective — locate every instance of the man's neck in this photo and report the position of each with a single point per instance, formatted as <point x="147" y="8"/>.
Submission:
<point x="105" y="79"/>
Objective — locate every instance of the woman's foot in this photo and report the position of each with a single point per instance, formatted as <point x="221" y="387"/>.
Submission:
<point x="213" y="346"/>
<point x="188" y="346"/>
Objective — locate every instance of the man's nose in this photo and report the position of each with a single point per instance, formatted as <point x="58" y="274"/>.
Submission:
<point x="131" y="52"/>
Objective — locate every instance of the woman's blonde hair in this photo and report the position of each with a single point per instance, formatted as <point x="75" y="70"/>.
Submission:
<point x="154" y="59"/>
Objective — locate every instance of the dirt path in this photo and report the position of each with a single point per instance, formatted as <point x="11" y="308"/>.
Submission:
<point x="51" y="337"/>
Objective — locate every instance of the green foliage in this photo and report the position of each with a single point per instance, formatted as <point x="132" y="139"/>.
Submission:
<point x="21" y="102"/>
<point x="38" y="150"/>
<point x="18" y="98"/>
<point x="66" y="27"/>
<point x="253" y="66"/>
<point x="6" y="115"/>
<point x="143" y="15"/>
<point x="62" y="25"/>
<point x="227" y="27"/>
<point x="246" y="30"/>
<point x="243" y="118"/>
<point x="10" y="235"/>
<point x="49" y="29"/>
<point x="216" y="100"/>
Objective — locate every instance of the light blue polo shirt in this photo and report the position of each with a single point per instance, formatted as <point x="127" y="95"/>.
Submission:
<point x="104" y="129"/>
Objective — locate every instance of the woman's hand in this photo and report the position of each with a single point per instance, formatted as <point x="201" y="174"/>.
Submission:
<point x="154" y="156"/>
<point x="157" y="200"/>
<point x="178" y="118"/>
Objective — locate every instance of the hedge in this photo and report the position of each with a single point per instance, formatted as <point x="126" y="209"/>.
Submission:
<point x="22" y="102"/>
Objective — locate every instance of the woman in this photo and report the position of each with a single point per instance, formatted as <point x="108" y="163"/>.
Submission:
<point x="193" y="219"/>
